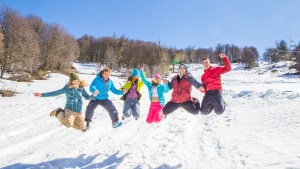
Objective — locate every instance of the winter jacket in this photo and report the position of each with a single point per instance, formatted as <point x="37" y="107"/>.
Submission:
<point x="182" y="87"/>
<point x="103" y="88"/>
<point x="211" y="79"/>
<point x="128" y="85"/>
<point x="161" y="89"/>
<point x="73" y="97"/>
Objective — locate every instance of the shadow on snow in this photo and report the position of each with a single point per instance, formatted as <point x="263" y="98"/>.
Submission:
<point x="79" y="162"/>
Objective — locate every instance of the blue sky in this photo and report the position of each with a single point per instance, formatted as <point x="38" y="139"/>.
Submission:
<point x="175" y="23"/>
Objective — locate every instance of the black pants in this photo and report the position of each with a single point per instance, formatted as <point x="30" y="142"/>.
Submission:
<point x="189" y="106"/>
<point x="106" y="104"/>
<point x="212" y="100"/>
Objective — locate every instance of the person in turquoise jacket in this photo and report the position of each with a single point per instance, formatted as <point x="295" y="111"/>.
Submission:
<point x="103" y="85"/>
<point x="156" y="95"/>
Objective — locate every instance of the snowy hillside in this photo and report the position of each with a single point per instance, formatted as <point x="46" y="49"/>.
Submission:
<point x="259" y="129"/>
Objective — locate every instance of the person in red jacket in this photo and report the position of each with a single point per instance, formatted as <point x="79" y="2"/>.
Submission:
<point x="211" y="80"/>
<point x="181" y="95"/>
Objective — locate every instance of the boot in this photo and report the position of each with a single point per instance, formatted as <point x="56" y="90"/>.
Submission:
<point x="87" y="127"/>
<point x="56" y="112"/>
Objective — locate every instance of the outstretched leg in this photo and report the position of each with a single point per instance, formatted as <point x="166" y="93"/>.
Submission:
<point x="206" y="105"/>
<point x="190" y="107"/>
<point x="67" y="118"/>
<point x="135" y="109"/>
<point x="218" y="103"/>
<point x="126" y="108"/>
<point x="170" y="107"/>
<point x="150" y="114"/>
<point x="90" y="110"/>
<point x="111" y="109"/>
<point x="79" y="122"/>
<point x="158" y="115"/>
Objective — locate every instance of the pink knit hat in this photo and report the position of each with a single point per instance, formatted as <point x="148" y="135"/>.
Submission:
<point x="157" y="76"/>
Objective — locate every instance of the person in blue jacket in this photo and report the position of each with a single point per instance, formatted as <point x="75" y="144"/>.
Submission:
<point x="156" y="95"/>
<point x="103" y="84"/>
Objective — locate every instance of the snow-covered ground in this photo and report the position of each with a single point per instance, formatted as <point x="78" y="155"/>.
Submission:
<point x="259" y="129"/>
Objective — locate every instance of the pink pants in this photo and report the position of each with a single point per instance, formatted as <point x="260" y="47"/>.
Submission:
<point x="155" y="113"/>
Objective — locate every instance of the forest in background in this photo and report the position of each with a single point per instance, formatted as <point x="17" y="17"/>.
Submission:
<point x="28" y="44"/>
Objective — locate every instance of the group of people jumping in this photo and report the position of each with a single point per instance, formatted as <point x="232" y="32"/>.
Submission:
<point x="71" y="115"/>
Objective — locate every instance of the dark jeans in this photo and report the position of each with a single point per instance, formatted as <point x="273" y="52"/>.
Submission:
<point x="212" y="100"/>
<point x="189" y="106"/>
<point x="106" y="104"/>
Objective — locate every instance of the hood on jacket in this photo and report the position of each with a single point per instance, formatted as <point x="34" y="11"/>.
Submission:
<point x="135" y="73"/>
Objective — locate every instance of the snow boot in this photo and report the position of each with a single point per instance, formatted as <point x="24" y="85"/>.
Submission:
<point x="196" y="103"/>
<point x="116" y="124"/>
<point x="86" y="128"/>
<point x="56" y="112"/>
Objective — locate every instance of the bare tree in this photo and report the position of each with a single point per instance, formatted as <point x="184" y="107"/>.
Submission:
<point x="110" y="57"/>
<point x="249" y="56"/>
<point x="235" y="54"/>
<point x="20" y="42"/>
<point x="191" y="54"/>
<point x="1" y="43"/>
<point x="295" y="56"/>
<point x="86" y="45"/>
<point x="30" y="47"/>
<point x="215" y="57"/>
<point x="202" y="53"/>
<point x="38" y="26"/>
<point x="53" y="47"/>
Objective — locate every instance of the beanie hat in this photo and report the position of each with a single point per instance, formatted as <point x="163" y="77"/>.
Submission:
<point x="73" y="76"/>
<point x="135" y="73"/>
<point x="182" y="64"/>
<point x="156" y="76"/>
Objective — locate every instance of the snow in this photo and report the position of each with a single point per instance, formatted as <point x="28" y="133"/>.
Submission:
<point x="259" y="129"/>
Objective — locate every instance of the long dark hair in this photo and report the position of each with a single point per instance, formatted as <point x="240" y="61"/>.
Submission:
<point x="133" y="79"/>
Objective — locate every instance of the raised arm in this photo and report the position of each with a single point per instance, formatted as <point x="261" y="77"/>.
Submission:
<point x="144" y="80"/>
<point x="227" y="66"/>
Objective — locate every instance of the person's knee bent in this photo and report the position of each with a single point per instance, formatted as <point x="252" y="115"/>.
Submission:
<point x="81" y="127"/>
<point x="67" y="123"/>
<point x="194" y="112"/>
<point x="166" y="112"/>
<point x="149" y="121"/>
<point x="204" y="112"/>
<point x="220" y="112"/>
<point x="89" y="113"/>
